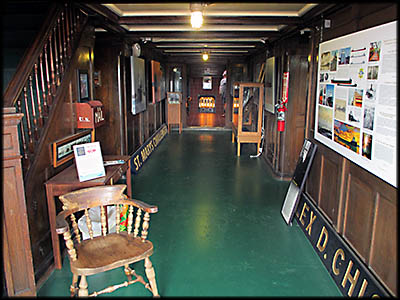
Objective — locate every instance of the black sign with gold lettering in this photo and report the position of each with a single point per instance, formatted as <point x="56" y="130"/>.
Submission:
<point x="144" y="152"/>
<point x="350" y="274"/>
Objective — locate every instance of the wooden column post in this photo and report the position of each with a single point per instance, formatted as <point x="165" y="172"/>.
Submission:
<point x="17" y="253"/>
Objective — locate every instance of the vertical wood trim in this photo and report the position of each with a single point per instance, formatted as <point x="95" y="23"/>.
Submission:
<point x="320" y="180"/>
<point x="260" y="111"/>
<point x="124" y="116"/>
<point x="311" y="72"/>
<point x="155" y="115"/>
<point x="121" y="130"/>
<point x="240" y="112"/>
<point x="346" y="205"/>
<point x="141" y="129"/>
<point x="342" y="199"/>
<point x="72" y="110"/>
<point x="374" y="224"/>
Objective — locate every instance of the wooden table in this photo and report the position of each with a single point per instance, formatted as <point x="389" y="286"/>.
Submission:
<point x="67" y="181"/>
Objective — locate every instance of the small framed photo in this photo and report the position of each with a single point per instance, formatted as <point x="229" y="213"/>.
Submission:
<point x="97" y="78"/>
<point x="83" y="86"/>
<point x="62" y="149"/>
<point x="207" y="83"/>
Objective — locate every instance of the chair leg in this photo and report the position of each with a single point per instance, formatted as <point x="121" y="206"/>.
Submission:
<point x="151" y="276"/>
<point x="83" y="287"/>
<point x="128" y="271"/>
<point x="73" y="286"/>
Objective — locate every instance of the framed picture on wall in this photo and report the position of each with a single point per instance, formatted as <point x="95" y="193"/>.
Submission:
<point x="83" y="85"/>
<point x="137" y="69"/>
<point x="156" y="80"/>
<point x="207" y="83"/>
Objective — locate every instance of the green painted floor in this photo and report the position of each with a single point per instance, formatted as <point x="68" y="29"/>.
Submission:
<point x="218" y="231"/>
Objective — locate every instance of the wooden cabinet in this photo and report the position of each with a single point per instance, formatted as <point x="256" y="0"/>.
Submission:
<point x="17" y="254"/>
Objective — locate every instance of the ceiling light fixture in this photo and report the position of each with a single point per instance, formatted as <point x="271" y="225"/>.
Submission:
<point x="205" y="56"/>
<point x="196" y="15"/>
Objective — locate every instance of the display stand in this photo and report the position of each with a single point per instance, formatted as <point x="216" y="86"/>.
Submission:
<point x="174" y="109"/>
<point x="247" y="127"/>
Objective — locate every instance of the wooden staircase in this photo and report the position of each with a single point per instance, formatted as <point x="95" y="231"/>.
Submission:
<point x="37" y="89"/>
<point x="34" y="87"/>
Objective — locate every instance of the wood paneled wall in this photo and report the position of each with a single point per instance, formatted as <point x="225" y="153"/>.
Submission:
<point x="360" y="206"/>
<point x="281" y="149"/>
<point x="123" y="133"/>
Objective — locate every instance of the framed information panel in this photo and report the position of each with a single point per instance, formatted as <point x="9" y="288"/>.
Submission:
<point x="356" y="98"/>
<point x="298" y="181"/>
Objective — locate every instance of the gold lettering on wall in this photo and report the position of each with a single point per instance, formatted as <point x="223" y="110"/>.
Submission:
<point x="337" y="253"/>
<point x="137" y="163"/>
<point x="312" y="219"/>
<point x="305" y="207"/>
<point x="324" y="235"/>
<point x="363" y="288"/>
<point x="353" y="280"/>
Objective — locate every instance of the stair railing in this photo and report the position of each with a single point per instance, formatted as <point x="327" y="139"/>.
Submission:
<point x="39" y="74"/>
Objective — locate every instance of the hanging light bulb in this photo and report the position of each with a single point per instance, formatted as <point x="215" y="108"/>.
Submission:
<point x="205" y="56"/>
<point x="196" y="15"/>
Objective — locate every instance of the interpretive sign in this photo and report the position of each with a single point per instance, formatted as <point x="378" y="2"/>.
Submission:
<point x="356" y="101"/>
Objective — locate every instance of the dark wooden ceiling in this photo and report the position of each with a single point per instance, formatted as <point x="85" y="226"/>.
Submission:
<point x="230" y="30"/>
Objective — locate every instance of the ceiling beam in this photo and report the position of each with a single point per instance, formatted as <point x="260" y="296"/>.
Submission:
<point x="160" y="20"/>
<point x="209" y="45"/>
<point x="204" y="34"/>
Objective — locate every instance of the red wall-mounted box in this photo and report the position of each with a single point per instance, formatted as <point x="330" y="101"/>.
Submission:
<point x="89" y="114"/>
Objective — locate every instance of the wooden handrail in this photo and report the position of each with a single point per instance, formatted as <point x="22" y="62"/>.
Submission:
<point x="38" y="80"/>
<point x="31" y="56"/>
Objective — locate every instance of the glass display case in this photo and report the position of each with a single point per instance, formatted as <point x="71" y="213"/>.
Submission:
<point x="174" y="100"/>
<point x="246" y="127"/>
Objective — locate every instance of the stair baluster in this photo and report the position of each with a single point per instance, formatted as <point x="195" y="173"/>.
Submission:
<point x="49" y="94"/>
<point x="34" y="116"/>
<point x="28" y="121"/>
<point x="38" y="97"/>
<point x="25" y="158"/>
<point x="42" y="81"/>
<point x="60" y="44"/>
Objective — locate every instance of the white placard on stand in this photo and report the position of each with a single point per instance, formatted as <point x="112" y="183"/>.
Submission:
<point x="89" y="161"/>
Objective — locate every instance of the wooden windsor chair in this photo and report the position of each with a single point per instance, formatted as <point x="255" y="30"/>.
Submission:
<point x="108" y="250"/>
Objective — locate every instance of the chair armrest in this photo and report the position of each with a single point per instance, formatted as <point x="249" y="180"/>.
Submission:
<point x="143" y="205"/>
<point x="61" y="224"/>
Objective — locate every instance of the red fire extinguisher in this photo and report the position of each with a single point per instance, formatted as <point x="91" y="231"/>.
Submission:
<point x="281" y="117"/>
<point x="282" y="105"/>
